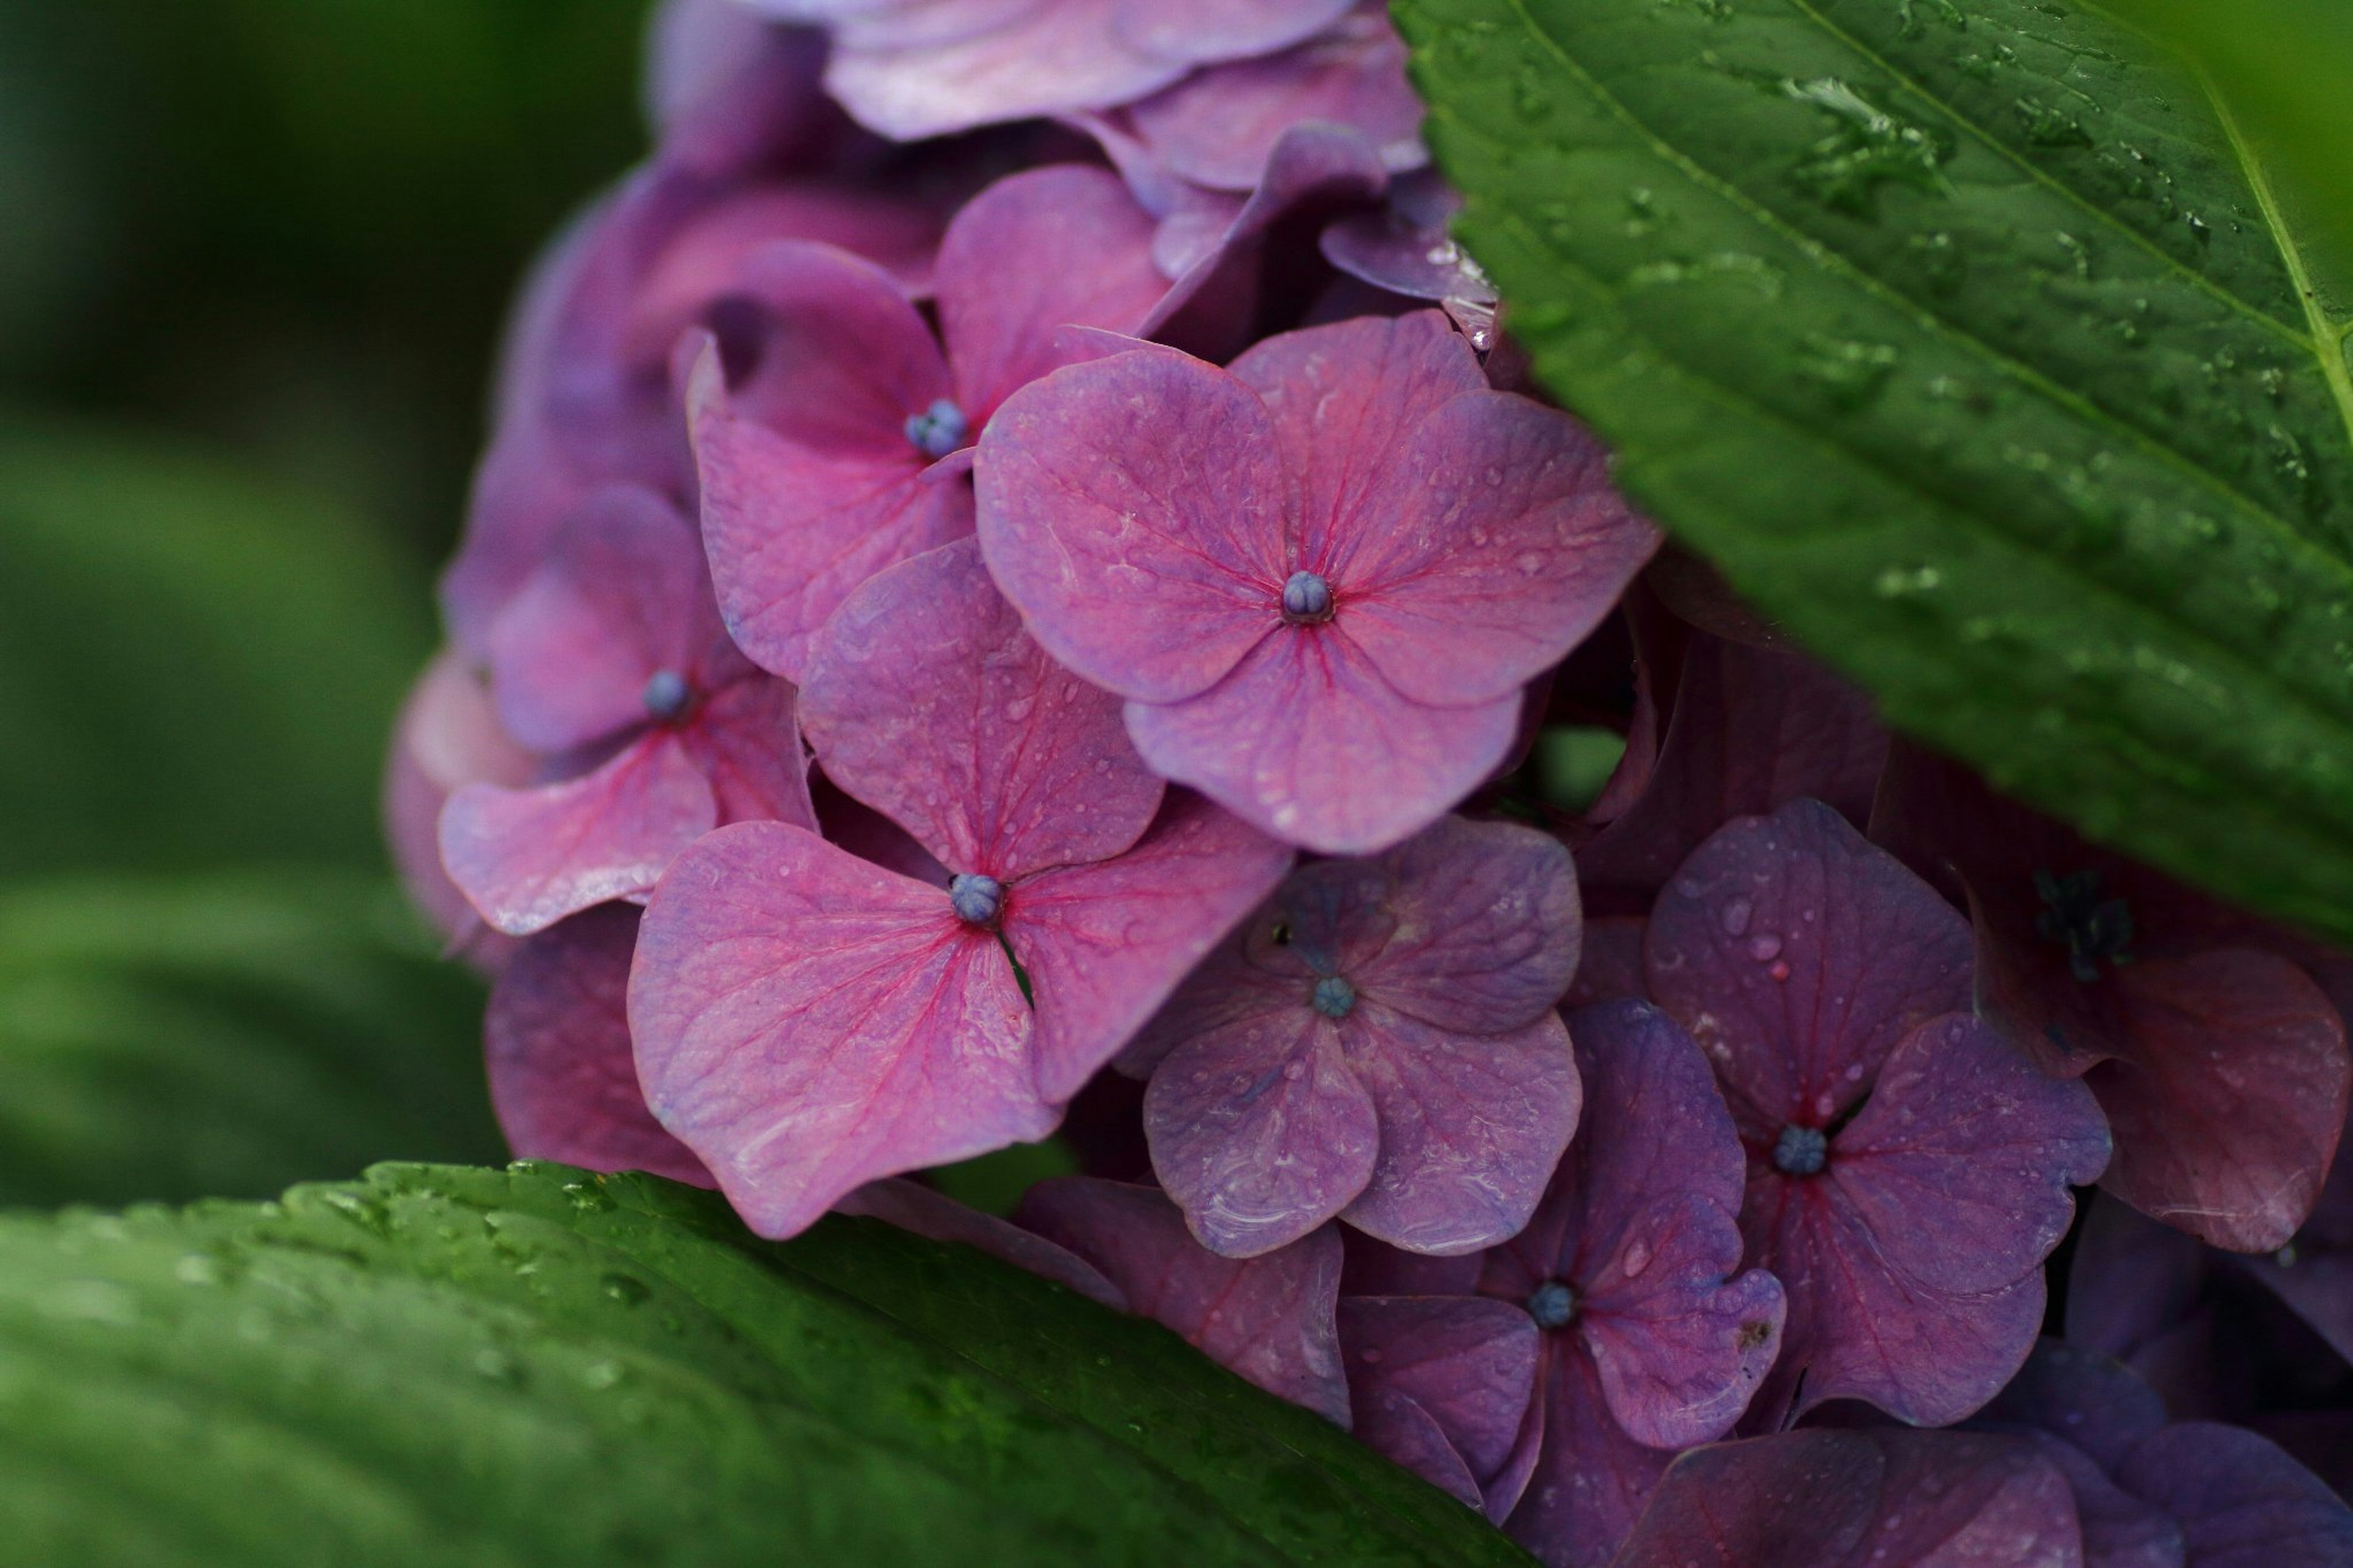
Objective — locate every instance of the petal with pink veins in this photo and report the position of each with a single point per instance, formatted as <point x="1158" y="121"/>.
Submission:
<point x="1798" y="954"/>
<point x="557" y="1038"/>
<point x="527" y="858"/>
<point x="1485" y="929"/>
<point x="1306" y="741"/>
<point x="1268" y="1318"/>
<point x="1105" y="945"/>
<point x="928" y="701"/>
<point x="1064" y="245"/>
<point x="1132" y="507"/>
<point x="806" y="1022"/>
<point x="747" y="739"/>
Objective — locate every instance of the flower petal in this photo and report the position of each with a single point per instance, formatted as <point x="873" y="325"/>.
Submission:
<point x="2094" y="1402"/>
<point x="1268" y="1318"/>
<point x="2229" y="1108"/>
<point x="2242" y="1502"/>
<point x="1798" y="954"/>
<point x="527" y="858"/>
<point x="1501" y="545"/>
<point x="1222" y="29"/>
<point x="1440" y="1383"/>
<point x="747" y="742"/>
<point x="1307" y="743"/>
<point x="1132" y="508"/>
<point x="1591" y="1480"/>
<point x="557" y="1038"/>
<point x="927" y="1212"/>
<point x="621" y="594"/>
<point x="1036" y="251"/>
<point x="1962" y="1161"/>
<point x="1485" y="927"/>
<point x="1261" y="1129"/>
<point x="806" y="1022"/>
<point x="928" y="701"/>
<point x="1105" y="945"/>
<point x="1471" y="1127"/>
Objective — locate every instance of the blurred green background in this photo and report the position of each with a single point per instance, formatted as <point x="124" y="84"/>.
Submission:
<point x="254" y="254"/>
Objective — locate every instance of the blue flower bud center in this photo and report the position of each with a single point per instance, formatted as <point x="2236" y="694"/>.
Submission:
<point x="1306" y="598"/>
<point x="667" y="695"/>
<point x="1801" y="1151"/>
<point x="977" y="899"/>
<point x="1553" y="1304"/>
<point x="1333" y="998"/>
<point x="937" y="430"/>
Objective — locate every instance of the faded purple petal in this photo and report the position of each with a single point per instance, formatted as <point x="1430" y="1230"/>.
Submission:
<point x="1132" y="507"/>
<point x="527" y="858"/>
<point x="911" y="1206"/>
<point x="2119" y="1530"/>
<point x="1037" y="251"/>
<point x="1483" y="927"/>
<point x="1267" y="1319"/>
<point x="2242" y="1502"/>
<point x="447" y="736"/>
<point x="1609" y="963"/>
<point x="1105" y="945"/>
<point x="1861" y="1500"/>
<point x="1441" y="1385"/>
<point x="1961" y="1127"/>
<point x="928" y="701"/>
<point x="2092" y="1402"/>
<point x="2137" y="1291"/>
<point x="1798" y="954"/>
<point x="620" y="597"/>
<point x="806" y="1022"/>
<point x="1263" y="1130"/>
<point x="1222" y="29"/>
<point x="1217" y="126"/>
<point x="1591" y="1480"/>
<point x="557" y="1033"/>
<point x="1308" y="742"/>
<point x="746" y="740"/>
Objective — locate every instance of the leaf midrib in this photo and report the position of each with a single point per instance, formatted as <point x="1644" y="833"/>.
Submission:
<point x="1927" y="318"/>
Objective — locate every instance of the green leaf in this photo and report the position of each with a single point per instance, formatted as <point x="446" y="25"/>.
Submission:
<point x="166" y="1039"/>
<point x="442" y="1366"/>
<point x="1969" y="338"/>
<point x="196" y="669"/>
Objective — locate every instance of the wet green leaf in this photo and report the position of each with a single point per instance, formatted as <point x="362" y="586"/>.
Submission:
<point x="1972" y="340"/>
<point x="170" y="1039"/>
<point x="442" y="1366"/>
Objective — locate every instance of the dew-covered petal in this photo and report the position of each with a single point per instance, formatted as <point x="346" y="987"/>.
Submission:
<point x="1859" y="1328"/>
<point x="1132" y="508"/>
<point x="1748" y="730"/>
<point x="527" y="858"/>
<point x="1105" y="945"/>
<point x="1798" y="954"/>
<point x="1036" y="251"/>
<point x="1441" y="1385"/>
<point x="1681" y="1345"/>
<point x="1262" y="1131"/>
<point x="1345" y="400"/>
<point x="1500" y="546"/>
<point x="927" y="701"/>
<point x="747" y="739"/>
<point x="1485" y="927"/>
<point x="2228" y="1110"/>
<point x="1471" y="1126"/>
<point x="1307" y="743"/>
<point x="806" y="1022"/>
<point x="2241" y="1501"/>
<point x="1825" y="1498"/>
<point x="1217" y="127"/>
<point x="1591" y="1480"/>
<point x="1268" y="1318"/>
<point x="621" y="594"/>
<point x="557" y="1042"/>
<point x="927" y="1212"/>
<point x="2094" y="1402"/>
<point x="1201" y="30"/>
<point x="1962" y="1161"/>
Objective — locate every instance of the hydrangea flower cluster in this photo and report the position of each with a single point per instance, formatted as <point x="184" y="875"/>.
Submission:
<point x="1015" y="560"/>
